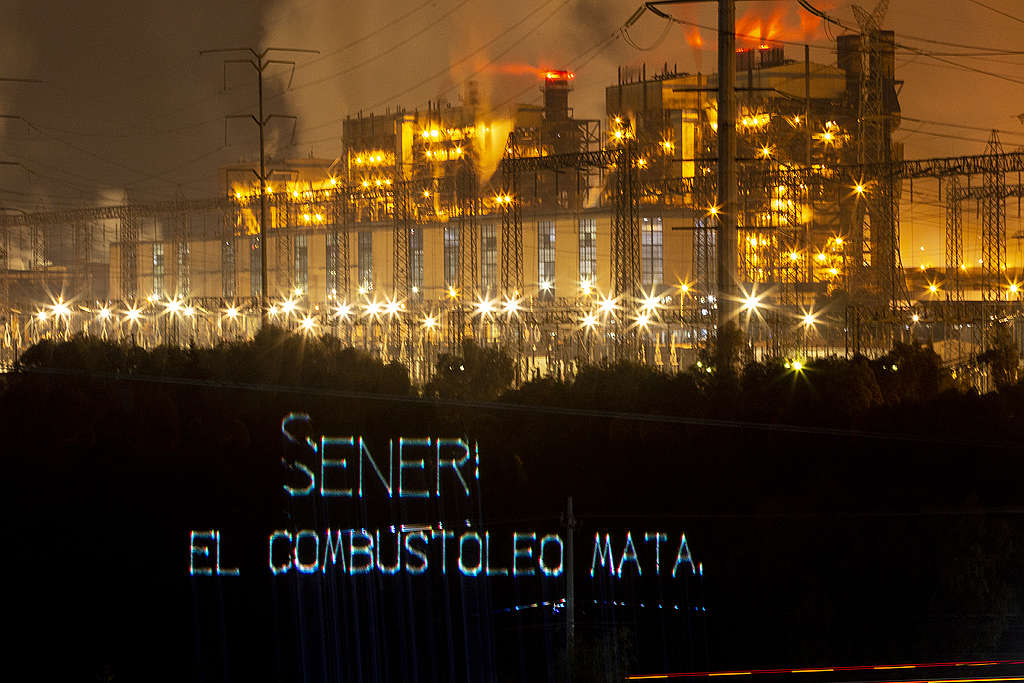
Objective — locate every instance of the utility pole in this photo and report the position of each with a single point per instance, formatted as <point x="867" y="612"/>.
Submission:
<point x="259" y="62"/>
<point x="728" y="193"/>
<point x="727" y="205"/>
<point x="5" y="242"/>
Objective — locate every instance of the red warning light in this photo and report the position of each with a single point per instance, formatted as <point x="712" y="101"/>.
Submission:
<point x="559" y="75"/>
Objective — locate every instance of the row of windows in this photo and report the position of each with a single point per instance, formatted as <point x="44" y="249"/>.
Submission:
<point x="651" y="258"/>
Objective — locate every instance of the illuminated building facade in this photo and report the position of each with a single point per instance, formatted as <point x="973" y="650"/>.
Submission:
<point x="593" y="234"/>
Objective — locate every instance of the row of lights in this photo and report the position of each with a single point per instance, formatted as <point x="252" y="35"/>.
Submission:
<point x="332" y="181"/>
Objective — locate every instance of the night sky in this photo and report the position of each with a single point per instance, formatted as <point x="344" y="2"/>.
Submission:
<point x="128" y="103"/>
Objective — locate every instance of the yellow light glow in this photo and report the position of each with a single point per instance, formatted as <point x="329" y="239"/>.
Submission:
<point x="820" y="256"/>
<point x="452" y="292"/>
<point x="933" y="288"/>
<point x="510" y="305"/>
<point x="809" y="319"/>
<point x="793" y="256"/>
<point x="833" y="271"/>
<point x="429" y="322"/>
<point x="766" y="151"/>
<point x="839" y="241"/>
<point x="858" y="188"/>
<point x="426" y="193"/>
<point x="41" y="315"/>
<point x="797" y="365"/>
<point x="545" y="286"/>
<point x="133" y="314"/>
<point x="915" y="318"/>
<point x="173" y="306"/>
<point x="189" y="311"/>
<point x="231" y="312"/>
<point x="288" y="306"/>
<point x="649" y="303"/>
<point x="751" y="302"/>
<point x="484" y="307"/>
<point x="307" y="323"/>
<point x="643" y="320"/>
<point x="589" y="320"/>
<point x="343" y="310"/>
<point x="104" y="313"/>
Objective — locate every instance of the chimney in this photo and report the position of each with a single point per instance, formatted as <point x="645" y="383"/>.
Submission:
<point x="556" y="95"/>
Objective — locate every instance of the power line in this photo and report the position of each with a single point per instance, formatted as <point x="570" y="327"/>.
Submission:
<point x="965" y="127"/>
<point x="997" y="11"/>
<point x="379" y="55"/>
<point x="464" y="59"/>
<point x="483" y="47"/>
<point x="371" y="34"/>
<point x="813" y="10"/>
<point x="596" y="49"/>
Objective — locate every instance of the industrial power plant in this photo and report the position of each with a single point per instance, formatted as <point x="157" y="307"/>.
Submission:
<point x="560" y="240"/>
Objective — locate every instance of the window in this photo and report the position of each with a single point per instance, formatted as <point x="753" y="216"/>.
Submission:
<point x="546" y="258"/>
<point x="333" y="279"/>
<point x="227" y="269"/>
<point x="489" y="258"/>
<point x="158" y="268"/>
<point x="302" y="263"/>
<point x="588" y="251"/>
<point x="451" y="255"/>
<point x="365" y="259"/>
<point x="255" y="267"/>
<point x="651" y="256"/>
<point x="184" y="283"/>
<point x="416" y="259"/>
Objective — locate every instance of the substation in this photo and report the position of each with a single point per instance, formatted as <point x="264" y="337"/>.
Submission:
<point x="562" y="241"/>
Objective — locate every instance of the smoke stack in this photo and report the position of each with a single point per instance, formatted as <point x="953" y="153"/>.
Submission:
<point x="556" y="95"/>
<point x="472" y="93"/>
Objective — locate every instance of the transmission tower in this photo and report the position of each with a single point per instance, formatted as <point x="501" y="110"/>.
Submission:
<point x="259" y="62"/>
<point x="993" y="226"/>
